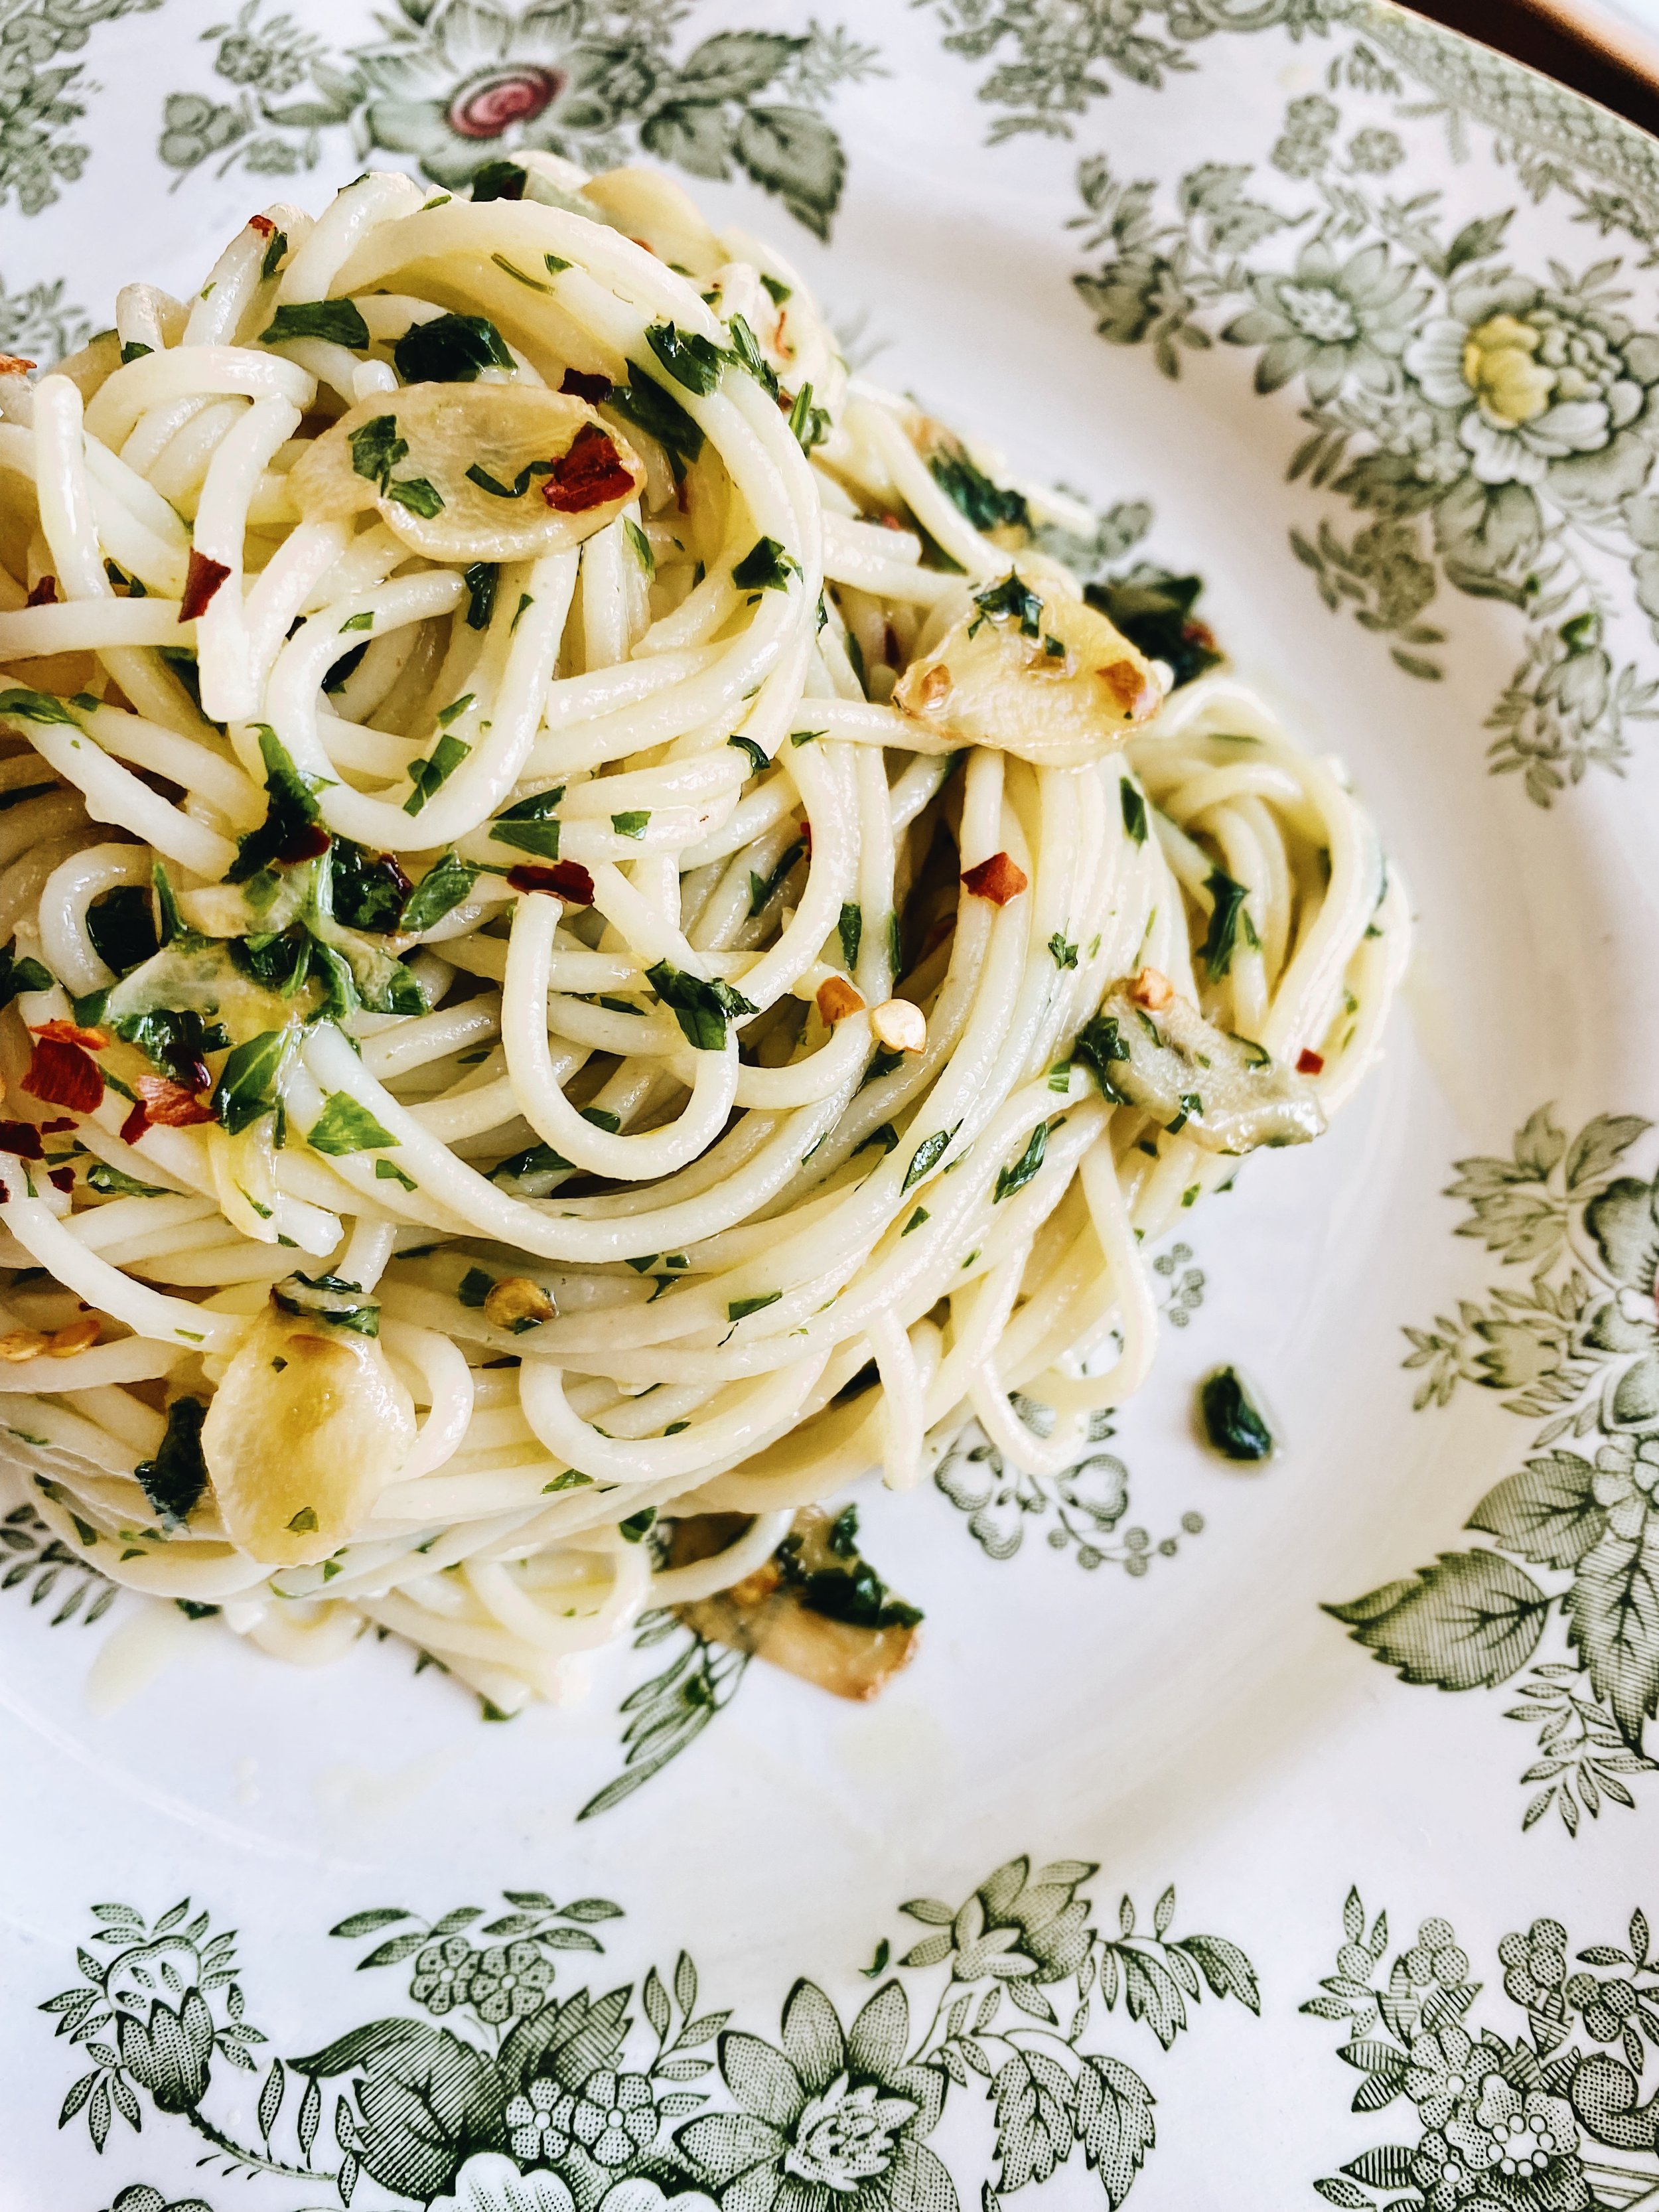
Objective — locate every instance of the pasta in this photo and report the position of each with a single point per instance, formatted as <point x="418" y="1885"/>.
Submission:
<point x="600" y="931"/>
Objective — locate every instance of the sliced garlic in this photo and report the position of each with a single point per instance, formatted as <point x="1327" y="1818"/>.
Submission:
<point x="560" y="473"/>
<point x="1051" y="681"/>
<point x="307" y="1428"/>
<point x="659" y="214"/>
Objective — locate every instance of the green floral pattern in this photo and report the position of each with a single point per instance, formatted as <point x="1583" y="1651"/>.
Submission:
<point x="1518" y="2123"/>
<point x="451" y="86"/>
<point x="1493" y="427"/>
<point x="1578" y="1347"/>
<point x="504" y="2089"/>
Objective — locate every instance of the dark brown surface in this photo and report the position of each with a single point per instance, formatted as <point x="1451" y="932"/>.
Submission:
<point x="1548" y="41"/>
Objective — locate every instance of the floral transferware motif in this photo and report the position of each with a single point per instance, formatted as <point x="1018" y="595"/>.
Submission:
<point x="504" y="2089"/>
<point x="1493" y="427"/>
<point x="1578" y="1348"/>
<point x="33" y="1559"/>
<point x="460" y="82"/>
<point x="43" y="89"/>
<point x="1500" y="2124"/>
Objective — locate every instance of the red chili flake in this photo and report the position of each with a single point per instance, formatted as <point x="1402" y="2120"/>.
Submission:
<point x="162" y="1104"/>
<point x="590" y="475"/>
<point x="22" y="1138"/>
<point x="309" y="843"/>
<point x="45" y="593"/>
<point x="806" y="838"/>
<point x="56" y="1128"/>
<point x="263" y="224"/>
<point x="202" y="581"/>
<point x="1309" y="1063"/>
<point x="61" y="1178"/>
<point x="63" y="1075"/>
<point x="72" y="1033"/>
<point x="578" y="384"/>
<point x="13" y="364"/>
<point x="565" y="879"/>
<point x="998" y="879"/>
<point x="892" y="522"/>
<point x="1132" y="695"/>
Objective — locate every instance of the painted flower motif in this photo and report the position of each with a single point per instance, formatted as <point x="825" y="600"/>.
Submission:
<point x="614" y="2117"/>
<point x="1402" y="424"/>
<point x="1375" y="152"/>
<point x="509" y="1981"/>
<point x="443" y="1974"/>
<point x="1608" y="2008"/>
<point x="1441" y="2174"/>
<point x="1535" y="380"/>
<point x="539" y="2123"/>
<point x="639" y="2194"/>
<point x="1535" y="1967"/>
<point x="1331" y="320"/>
<point x="489" y="2181"/>
<point x="481" y="83"/>
<point x="834" y="2118"/>
<point x="1522" y="2147"/>
<point x="1625" y="1483"/>
<point x="1441" y="2069"/>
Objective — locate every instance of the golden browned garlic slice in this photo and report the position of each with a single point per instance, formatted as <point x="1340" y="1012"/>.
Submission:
<point x="471" y="472"/>
<point x="1043" y="676"/>
<point x="307" y="1428"/>
<point x="659" y="214"/>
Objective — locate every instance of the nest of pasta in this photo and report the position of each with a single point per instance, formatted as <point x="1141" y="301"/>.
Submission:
<point x="608" y="925"/>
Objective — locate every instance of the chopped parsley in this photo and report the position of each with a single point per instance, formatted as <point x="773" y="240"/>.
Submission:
<point x="428" y="777"/>
<point x="1231" y="1422"/>
<point x="291" y="828"/>
<point x="339" y="321"/>
<point x="1134" y="811"/>
<point x="1228" y="919"/>
<point x="174" y="1479"/>
<point x="1011" y="600"/>
<point x="701" y="1009"/>
<point x="987" y="506"/>
<point x="444" y="886"/>
<point x="531" y="825"/>
<point x="645" y="403"/>
<point x="632" y="824"/>
<point x="1022" y="1170"/>
<point x="345" y="1126"/>
<point x="740" y="1308"/>
<point x="247" y="1083"/>
<point x="481" y="580"/>
<point x="927" y="1154"/>
<point x="850" y="928"/>
<point x="1064" y="951"/>
<point x="450" y="349"/>
<point x="697" y="363"/>
<point x="765" y="568"/>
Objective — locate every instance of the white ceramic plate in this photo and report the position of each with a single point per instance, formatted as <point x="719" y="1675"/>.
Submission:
<point x="1408" y="292"/>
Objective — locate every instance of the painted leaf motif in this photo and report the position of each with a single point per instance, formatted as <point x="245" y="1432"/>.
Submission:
<point x="1035" y="2102"/>
<point x="812" y="2040"/>
<point x="1547" y="1513"/>
<point x="734" y="64"/>
<point x="1539" y="1144"/>
<point x="876" y="2040"/>
<point x="761" y="2079"/>
<point x="796" y="155"/>
<point x="1467" y="1622"/>
<point x="1613" y="1615"/>
<point x="1620" y="1218"/>
<point x="1600" y="1145"/>
<point x="1224" y="1968"/>
<point x="1113" y="2122"/>
<point x="420" y="2105"/>
<point x="722" y="2145"/>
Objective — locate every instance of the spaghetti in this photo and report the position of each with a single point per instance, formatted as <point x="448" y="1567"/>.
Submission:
<point x="600" y="929"/>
